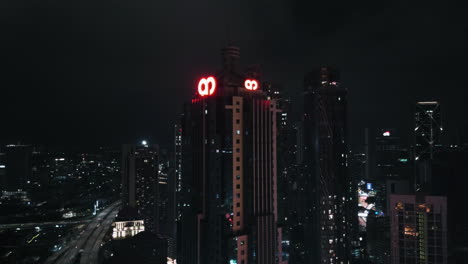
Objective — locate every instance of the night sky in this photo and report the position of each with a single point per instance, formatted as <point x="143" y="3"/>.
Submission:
<point x="112" y="72"/>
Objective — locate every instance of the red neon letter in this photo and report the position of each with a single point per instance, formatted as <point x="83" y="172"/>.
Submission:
<point x="206" y="86"/>
<point x="251" y="84"/>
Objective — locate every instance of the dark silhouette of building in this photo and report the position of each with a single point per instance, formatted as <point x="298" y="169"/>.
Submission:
<point x="140" y="182"/>
<point x="167" y="201"/>
<point x="229" y="208"/>
<point x="144" y="247"/>
<point x="387" y="157"/>
<point x="329" y="210"/>
<point x="17" y="166"/>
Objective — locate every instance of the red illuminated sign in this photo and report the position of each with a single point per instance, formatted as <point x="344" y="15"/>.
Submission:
<point x="251" y="84"/>
<point x="207" y="86"/>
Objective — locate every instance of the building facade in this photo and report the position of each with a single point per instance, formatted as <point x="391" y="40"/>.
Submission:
<point x="140" y="182"/>
<point x="228" y="200"/>
<point x="329" y="208"/>
<point x="418" y="229"/>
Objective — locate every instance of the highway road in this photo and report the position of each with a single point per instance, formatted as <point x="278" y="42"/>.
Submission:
<point x="42" y="224"/>
<point x="91" y="251"/>
<point x="85" y="243"/>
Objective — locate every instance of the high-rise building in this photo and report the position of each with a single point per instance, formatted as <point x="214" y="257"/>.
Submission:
<point x="387" y="157"/>
<point x="140" y="182"/>
<point x="229" y="208"/>
<point x="427" y="132"/>
<point x="418" y="229"/>
<point x="167" y="201"/>
<point x="328" y="197"/>
<point x="287" y="165"/>
<point x="178" y="165"/>
<point x="427" y="129"/>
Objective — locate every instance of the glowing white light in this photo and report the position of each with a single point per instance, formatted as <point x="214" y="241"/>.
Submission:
<point x="144" y="142"/>
<point x="386" y="134"/>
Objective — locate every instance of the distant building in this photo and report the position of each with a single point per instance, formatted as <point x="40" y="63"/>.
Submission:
<point x="17" y="166"/>
<point x="427" y="129"/>
<point x="387" y="158"/>
<point x="418" y="229"/>
<point x="427" y="133"/>
<point x="140" y="182"/>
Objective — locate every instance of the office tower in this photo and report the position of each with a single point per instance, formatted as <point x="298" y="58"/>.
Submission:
<point x="387" y="157"/>
<point x="427" y="129"/>
<point x="167" y="201"/>
<point x="17" y="165"/>
<point x="418" y="229"/>
<point x="178" y="164"/>
<point x="329" y="208"/>
<point x="287" y="165"/>
<point x="229" y="178"/>
<point x="140" y="182"/>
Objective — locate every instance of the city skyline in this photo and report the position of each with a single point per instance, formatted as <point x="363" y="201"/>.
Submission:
<point x="247" y="132"/>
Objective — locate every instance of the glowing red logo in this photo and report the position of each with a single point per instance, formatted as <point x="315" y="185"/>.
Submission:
<point x="207" y="86"/>
<point x="251" y="84"/>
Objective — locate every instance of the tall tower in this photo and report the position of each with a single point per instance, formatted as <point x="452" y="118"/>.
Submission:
<point x="140" y="182"/>
<point x="229" y="180"/>
<point x="427" y="129"/>
<point x="328" y="201"/>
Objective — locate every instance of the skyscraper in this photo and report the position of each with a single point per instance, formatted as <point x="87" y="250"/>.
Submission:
<point x="140" y="182"/>
<point x="428" y="128"/>
<point x="328" y="202"/>
<point x="418" y="229"/>
<point x="229" y="179"/>
<point x="178" y="165"/>
<point x="427" y="131"/>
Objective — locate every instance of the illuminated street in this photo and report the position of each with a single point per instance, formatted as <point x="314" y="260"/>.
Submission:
<point x="90" y="236"/>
